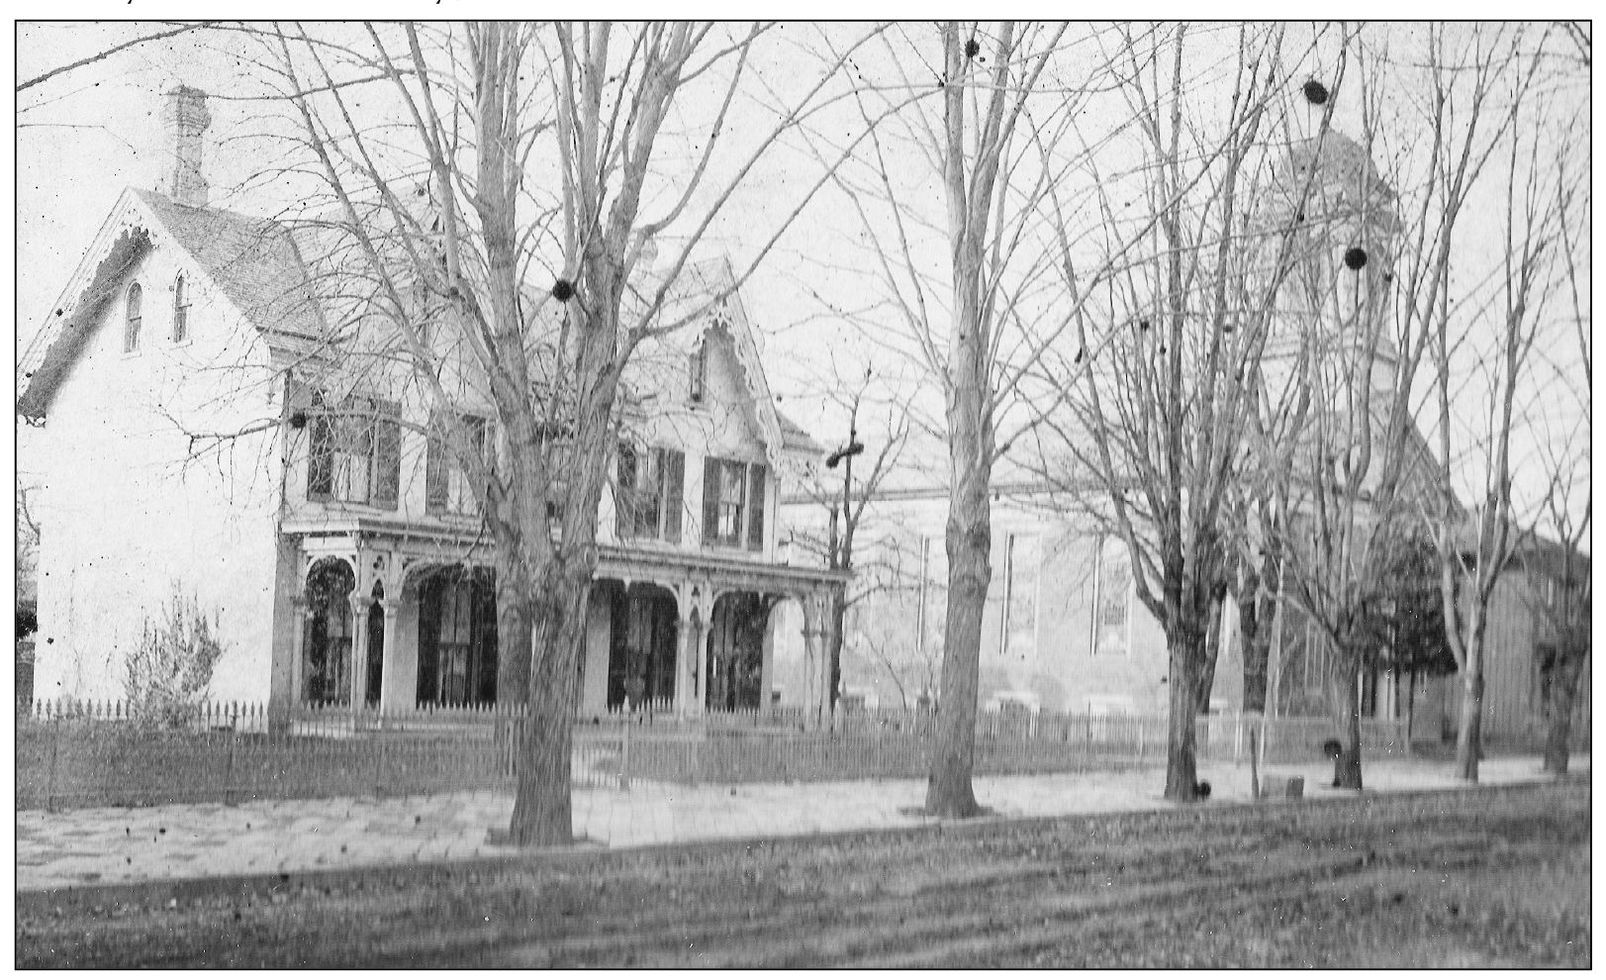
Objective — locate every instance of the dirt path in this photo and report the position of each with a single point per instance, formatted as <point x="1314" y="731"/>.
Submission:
<point x="1328" y="884"/>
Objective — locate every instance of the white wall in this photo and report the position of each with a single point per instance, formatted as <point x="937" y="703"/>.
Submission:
<point x="127" y="515"/>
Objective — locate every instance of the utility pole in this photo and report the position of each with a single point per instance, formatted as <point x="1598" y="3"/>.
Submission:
<point x="841" y="550"/>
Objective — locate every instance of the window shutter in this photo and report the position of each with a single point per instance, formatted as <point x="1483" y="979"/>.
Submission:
<point x="711" y="471"/>
<point x="755" y="507"/>
<point x="674" y="493"/>
<point x="624" y="493"/>
<point x="387" y="457"/>
<point x="320" y="451"/>
<point x="436" y="488"/>
<point x="489" y="454"/>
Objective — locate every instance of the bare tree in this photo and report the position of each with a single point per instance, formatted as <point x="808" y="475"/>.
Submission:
<point x="845" y="508"/>
<point x="515" y="155"/>
<point x="1475" y="553"/>
<point x="967" y="293"/>
<point x="1155" y="444"/>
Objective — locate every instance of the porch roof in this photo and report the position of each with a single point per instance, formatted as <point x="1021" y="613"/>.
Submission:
<point x="462" y="536"/>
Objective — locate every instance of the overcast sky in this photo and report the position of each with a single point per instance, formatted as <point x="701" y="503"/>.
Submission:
<point x="85" y="136"/>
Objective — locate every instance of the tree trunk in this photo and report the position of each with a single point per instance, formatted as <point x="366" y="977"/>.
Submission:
<point x="1181" y="761"/>
<point x="514" y="638"/>
<point x="1256" y="653"/>
<point x="1564" y="674"/>
<point x="839" y="608"/>
<point x="1346" y="713"/>
<point x="1410" y="713"/>
<point x="969" y="537"/>
<point x="1469" y="740"/>
<point x="542" y="811"/>
<point x="1205" y="678"/>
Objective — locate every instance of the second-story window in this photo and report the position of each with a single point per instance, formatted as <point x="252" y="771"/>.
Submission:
<point x="133" y="319"/>
<point x="447" y="481"/>
<point x="649" y="493"/>
<point x="733" y="503"/>
<point x="355" y="453"/>
<point x="181" y="310"/>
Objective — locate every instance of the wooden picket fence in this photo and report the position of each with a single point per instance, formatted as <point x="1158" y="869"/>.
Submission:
<point x="73" y="754"/>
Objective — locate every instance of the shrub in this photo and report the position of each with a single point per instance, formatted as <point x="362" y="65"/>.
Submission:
<point x="171" y="669"/>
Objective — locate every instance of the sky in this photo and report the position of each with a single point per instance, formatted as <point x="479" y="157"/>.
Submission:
<point x="83" y="137"/>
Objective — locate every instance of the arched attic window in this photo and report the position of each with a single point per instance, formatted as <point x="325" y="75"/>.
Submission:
<point x="181" y="310"/>
<point x="133" y="319"/>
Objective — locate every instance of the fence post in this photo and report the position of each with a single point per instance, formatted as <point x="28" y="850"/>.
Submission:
<point x="50" y="783"/>
<point x="624" y="760"/>
<point x="379" y="766"/>
<point x="228" y="773"/>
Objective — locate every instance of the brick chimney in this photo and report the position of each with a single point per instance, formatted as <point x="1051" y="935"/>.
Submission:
<point x="185" y="119"/>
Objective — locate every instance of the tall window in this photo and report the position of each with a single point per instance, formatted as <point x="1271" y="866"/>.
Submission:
<point x="133" y="319"/>
<point x="181" y="311"/>
<point x="355" y="454"/>
<point x="1112" y="598"/>
<point x="650" y="491"/>
<point x="1018" y="610"/>
<point x="447" y="486"/>
<point x="733" y="503"/>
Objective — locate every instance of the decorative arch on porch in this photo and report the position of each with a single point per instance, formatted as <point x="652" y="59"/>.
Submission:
<point x="329" y="591"/>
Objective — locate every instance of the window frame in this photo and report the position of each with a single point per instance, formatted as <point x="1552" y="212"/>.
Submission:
<point x="181" y="309"/>
<point x="133" y="317"/>
<point x="447" y="489"/>
<point x="748" y="531"/>
<point x="356" y="421"/>
<point x="1107" y="546"/>
<point x="697" y="374"/>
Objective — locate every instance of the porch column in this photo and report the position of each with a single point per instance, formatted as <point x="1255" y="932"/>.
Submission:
<point x="683" y="648"/>
<point x="387" y="690"/>
<point x="689" y="668"/>
<point x="301" y="618"/>
<point x="359" y="651"/>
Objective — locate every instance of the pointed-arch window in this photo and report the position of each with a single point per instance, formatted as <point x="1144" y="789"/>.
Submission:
<point x="181" y="311"/>
<point x="698" y="372"/>
<point x="134" y="318"/>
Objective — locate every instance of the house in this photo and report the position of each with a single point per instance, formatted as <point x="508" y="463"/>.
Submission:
<point x="216" y="427"/>
<point x="1520" y="648"/>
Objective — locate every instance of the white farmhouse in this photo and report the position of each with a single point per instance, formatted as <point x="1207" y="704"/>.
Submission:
<point x="206" y="434"/>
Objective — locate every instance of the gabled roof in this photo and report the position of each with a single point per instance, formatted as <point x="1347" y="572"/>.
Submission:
<point x="706" y="293"/>
<point x="253" y="262"/>
<point x="271" y="271"/>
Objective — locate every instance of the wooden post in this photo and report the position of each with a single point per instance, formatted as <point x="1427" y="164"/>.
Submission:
<point x="228" y="771"/>
<point x="50" y="784"/>
<point x="624" y="759"/>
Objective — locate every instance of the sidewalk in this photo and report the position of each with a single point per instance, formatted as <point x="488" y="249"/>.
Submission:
<point x="108" y="846"/>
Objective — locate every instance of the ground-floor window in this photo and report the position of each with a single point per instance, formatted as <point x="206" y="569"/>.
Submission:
<point x="457" y="654"/>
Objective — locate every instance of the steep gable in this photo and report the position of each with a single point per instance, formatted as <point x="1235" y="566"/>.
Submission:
<point x="253" y="263"/>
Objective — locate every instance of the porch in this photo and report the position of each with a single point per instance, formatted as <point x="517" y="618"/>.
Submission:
<point x="389" y="619"/>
